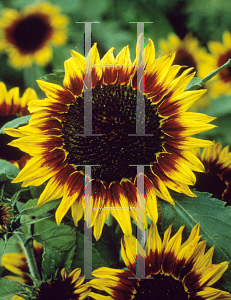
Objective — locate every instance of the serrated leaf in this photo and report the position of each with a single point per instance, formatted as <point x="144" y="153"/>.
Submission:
<point x="214" y="220"/>
<point x="82" y="254"/>
<point x="16" y="123"/>
<point x="56" y="77"/>
<point x="30" y="208"/>
<point x="58" y="237"/>
<point x="8" y="168"/>
<point x="55" y="259"/>
<point x="51" y="262"/>
<point x="9" y="289"/>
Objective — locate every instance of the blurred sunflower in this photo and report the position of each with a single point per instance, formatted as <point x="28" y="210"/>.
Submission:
<point x="220" y="54"/>
<point x="55" y="137"/>
<point x="4" y="217"/>
<point x="11" y="107"/>
<point x="188" y="54"/>
<point x="173" y="270"/>
<point x="27" y="35"/>
<point x="17" y="264"/>
<point x="217" y="176"/>
<point x="65" y="287"/>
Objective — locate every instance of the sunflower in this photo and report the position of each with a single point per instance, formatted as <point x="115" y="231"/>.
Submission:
<point x="220" y="54"/>
<point x="65" y="287"/>
<point x="173" y="270"/>
<point x="27" y="35"/>
<point x="12" y="106"/>
<point x="55" y="137"/>
<point x="217" y="176"/>
<point x="4" y="217"/>
<point x="189" y="53"/>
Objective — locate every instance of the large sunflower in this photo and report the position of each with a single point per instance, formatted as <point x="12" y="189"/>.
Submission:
<point x="54" y="137"/>
<point x="173" y="270"/>
<point x="27" y="35"/>
<point x="217" y="176"/>
<point x="11" y="107"/>
<point x="220" y="54"/>
<point x="189" y="53"/>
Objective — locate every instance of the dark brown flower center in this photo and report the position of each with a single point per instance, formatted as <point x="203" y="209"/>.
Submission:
<point x="211" y="183"/>
<point x="57" y="290"/>
<point x="113" y="119"/>
<point x="31" y="33"/>
<point x="225" y="74"/>
<point x="160" y="287"/>
<point x="184" y="58"/>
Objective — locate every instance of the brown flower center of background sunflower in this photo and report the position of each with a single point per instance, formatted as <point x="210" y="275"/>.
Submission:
<point x="184" y="58"/>
<point x="160" y="287"/>
<point x="58" y="290"/>
<point x="225" y="74"/>
<point x="211" y="183"/>
<point x="30" y="34"/>
<point x="114" y="118"/>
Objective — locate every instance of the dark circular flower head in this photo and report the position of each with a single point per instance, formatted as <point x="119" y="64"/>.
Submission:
<point x="220" y="54"/>
<point x="187" y="50"/>
<point x="66" y="288"/>
<point x="173" y="270"/>
<point x="27" y="35"/>
<point x="4" y="217"/>
<point x="217" y="176"/>
<point x="55" y="136"/>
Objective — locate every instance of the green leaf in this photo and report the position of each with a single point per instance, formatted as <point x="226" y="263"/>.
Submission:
<point x="56" y="77"/>
<point x="8" y="168"/>
<point x="10" y="288"/>
<point x="214" y="220"/>
<point x="30" y="208"/>
<point x="58" y="237"/>
<point x="108" y="246"/>
<point x="16" y="123"/>
<point x="193" y="82"/>
<point x="54" y="260"/>
<point x="78" y="259"/>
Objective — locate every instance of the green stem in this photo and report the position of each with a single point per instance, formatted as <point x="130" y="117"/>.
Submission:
<point x="209" y="76"/>
<point x="28" y="250"/>
<point x="30" y="76"/>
